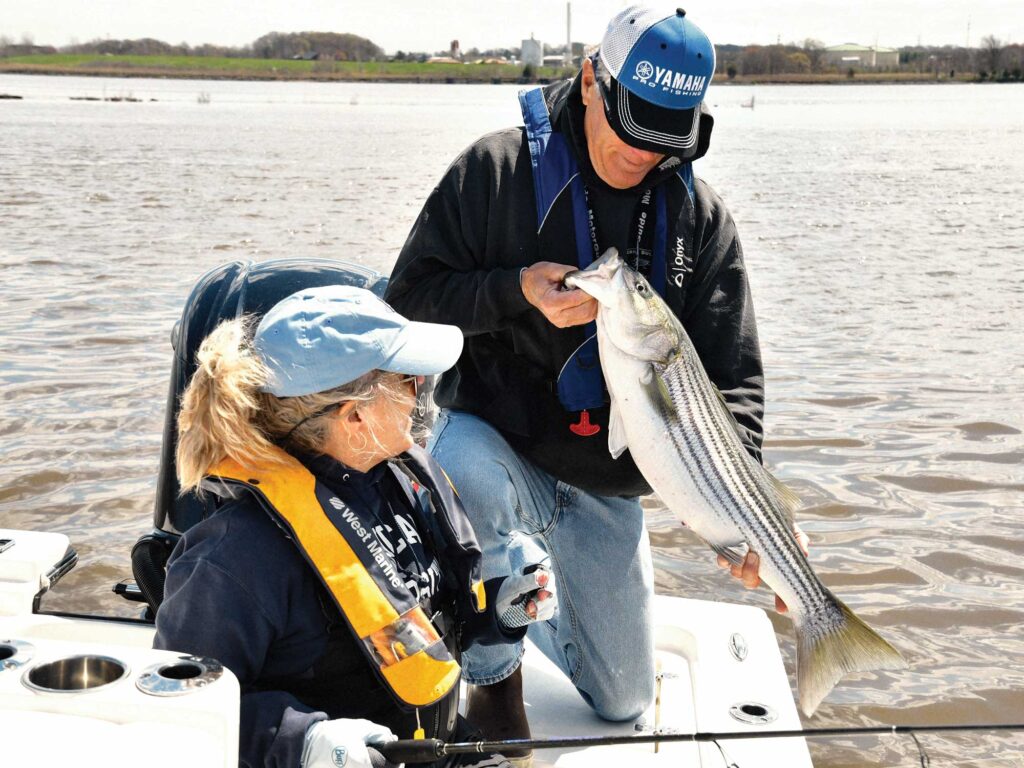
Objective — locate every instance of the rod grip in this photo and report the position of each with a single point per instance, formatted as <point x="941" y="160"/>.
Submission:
<point x="411" y="750"/>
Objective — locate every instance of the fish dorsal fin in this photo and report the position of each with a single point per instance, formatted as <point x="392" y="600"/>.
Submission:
<point x="788" y="501"/>
<point x="725" y="407"/>
<point x="616" y="432"/>
<point x="787" y="497"/>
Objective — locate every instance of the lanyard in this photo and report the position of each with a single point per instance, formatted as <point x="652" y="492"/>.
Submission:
<point x="640" y="245"/>
<point x="580" y="382"/>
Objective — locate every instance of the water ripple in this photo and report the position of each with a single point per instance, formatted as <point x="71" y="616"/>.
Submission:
<point x="888" y="303"/>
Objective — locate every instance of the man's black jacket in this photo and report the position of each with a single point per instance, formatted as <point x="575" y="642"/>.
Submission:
<point x="461" y="265"/>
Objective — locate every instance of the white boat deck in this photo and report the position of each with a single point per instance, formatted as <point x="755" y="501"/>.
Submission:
<point x="702" y="681"/>
<point x="717" y="662"/>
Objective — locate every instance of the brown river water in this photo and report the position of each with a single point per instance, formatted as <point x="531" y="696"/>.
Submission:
<point x="882" y="227"/>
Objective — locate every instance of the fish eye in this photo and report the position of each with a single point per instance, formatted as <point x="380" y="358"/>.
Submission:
<point x="641" y="288"/>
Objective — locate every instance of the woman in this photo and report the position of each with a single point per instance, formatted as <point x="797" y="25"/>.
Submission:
<point x="338" y="576"/>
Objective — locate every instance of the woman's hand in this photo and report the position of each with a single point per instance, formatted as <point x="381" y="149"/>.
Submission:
<point x="748" y="571"/>
<point x="528" y="598"/>
<point x="330" y="743"/>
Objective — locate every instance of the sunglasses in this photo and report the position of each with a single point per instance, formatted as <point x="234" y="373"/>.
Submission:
<point x="604" y="95"/>
<point x="404" y="381"/>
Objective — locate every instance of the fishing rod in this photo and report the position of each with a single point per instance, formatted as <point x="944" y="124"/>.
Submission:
<point x="425" y="750"/>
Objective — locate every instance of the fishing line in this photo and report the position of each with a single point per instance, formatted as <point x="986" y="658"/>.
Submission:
<point x="925" y="760"/>
<point x="725" y="757"/>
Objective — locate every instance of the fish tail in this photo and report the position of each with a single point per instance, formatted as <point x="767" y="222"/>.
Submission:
<point x="835" y="644"/>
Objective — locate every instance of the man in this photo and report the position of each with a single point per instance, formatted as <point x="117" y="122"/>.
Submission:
<point x="604" y="161"/>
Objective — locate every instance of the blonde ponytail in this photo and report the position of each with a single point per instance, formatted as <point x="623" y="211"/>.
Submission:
<point x="218" y="416"/>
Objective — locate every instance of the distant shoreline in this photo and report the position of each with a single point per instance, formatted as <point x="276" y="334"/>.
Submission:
<point x="163" y="74"/>
<point x="194" y="68"/>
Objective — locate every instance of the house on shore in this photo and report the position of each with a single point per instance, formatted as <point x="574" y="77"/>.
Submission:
<point x="851" y="55"/>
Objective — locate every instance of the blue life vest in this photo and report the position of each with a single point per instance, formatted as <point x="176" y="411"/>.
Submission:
<point x="580" y="382"/>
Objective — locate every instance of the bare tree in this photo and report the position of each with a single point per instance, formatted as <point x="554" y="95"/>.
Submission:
<point x="755" y="60"/>
<point x="779" y="62"/>
<point x="991" y="53"/>
<point x="815" y="50"/>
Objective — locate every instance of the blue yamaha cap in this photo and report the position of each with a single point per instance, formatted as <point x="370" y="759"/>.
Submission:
<point x="320" y="338"/>
<point x="661" y="66"/>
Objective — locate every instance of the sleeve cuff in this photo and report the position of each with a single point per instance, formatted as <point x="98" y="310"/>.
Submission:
<point x="510" y="292"/>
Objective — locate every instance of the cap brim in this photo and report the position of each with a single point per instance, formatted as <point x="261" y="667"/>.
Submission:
<point x="424" y="349"/>
<point x="644" y="125"/>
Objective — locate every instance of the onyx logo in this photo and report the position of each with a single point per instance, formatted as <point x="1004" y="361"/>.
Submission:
<point x="681" y="265"/>
<point x="644" y="70"/>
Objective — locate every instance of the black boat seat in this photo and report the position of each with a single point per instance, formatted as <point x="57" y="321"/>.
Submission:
<point x="223" y="293"/>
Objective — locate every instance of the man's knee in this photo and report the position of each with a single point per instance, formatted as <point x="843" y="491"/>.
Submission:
<point x="479" y="468"/>
<point x="472" y="455"/>
<point x="623" y="702"/>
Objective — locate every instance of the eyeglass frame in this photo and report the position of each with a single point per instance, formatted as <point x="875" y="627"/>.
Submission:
<point x="327" y="408"/>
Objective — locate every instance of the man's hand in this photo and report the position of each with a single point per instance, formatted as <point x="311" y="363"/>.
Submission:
<point x="748" y="571"/>
<point x="527" y="598"/>
<point x="542" y="286"/>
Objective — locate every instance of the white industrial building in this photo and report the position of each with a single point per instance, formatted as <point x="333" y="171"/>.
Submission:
<point x="862" y="57"/>
<point x="532" y="52"/>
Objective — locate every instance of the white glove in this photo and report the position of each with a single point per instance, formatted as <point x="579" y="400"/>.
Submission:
<point x="342" y="743"/>
<point x="535" y="590"/>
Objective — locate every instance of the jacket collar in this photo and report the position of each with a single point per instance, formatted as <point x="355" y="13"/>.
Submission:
<point x="334" y="473"/>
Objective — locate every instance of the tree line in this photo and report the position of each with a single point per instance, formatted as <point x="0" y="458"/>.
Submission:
<point x="275" y="45"/>
<point x="991" y="60"/>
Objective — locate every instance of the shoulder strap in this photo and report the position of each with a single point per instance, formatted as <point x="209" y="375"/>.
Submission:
<point x="448" y="519"/>
<point x="554" y="167"/>
<point x="686" y="174"/>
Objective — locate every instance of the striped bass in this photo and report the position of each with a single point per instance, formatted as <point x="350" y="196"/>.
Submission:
<point x="686" y="443"/>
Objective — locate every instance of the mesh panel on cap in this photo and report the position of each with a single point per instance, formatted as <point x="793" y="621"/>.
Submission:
<point x="622" y="36"/>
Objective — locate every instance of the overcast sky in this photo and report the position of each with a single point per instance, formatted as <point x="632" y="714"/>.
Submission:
<point x="429" y="25"/>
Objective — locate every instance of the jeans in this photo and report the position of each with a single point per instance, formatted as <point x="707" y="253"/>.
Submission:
<point x="597" y="546"/>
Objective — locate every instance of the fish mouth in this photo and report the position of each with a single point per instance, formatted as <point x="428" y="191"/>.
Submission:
<point x="597" y="278"/>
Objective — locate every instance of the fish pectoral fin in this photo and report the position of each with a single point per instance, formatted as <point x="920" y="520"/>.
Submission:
<point x="616" y="432"/>
<point x="653" y="379"/>
<point x="733" y="553"/>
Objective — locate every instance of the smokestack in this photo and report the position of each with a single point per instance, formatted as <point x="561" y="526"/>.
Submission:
<point x="568" y="35"/>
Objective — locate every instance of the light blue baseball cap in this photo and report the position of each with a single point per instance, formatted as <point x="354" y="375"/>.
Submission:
<point x="320" y="338"/>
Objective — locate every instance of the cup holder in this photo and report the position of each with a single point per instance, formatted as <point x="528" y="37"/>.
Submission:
<point x="15" y="654"/>
<point x="75" y="674"/>
<point x="184" y="675"/>
<point x="753" y="713"/>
